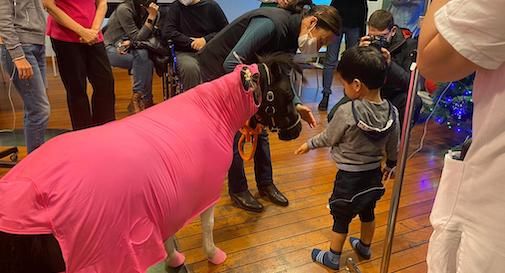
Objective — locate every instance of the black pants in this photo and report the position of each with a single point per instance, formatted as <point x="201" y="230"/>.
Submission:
<point x="30" y="253"/>
<point x="80" y="62"/>
<point x="355" y="193"/>
<point x="237" y="181"/>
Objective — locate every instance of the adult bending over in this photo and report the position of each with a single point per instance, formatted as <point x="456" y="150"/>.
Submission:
<point x="258" y="32"/>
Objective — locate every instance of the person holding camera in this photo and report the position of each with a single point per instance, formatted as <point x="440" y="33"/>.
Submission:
<point x="399" y="51"/>
<point x="133" y="20"/>
<point x="74" y="28"/>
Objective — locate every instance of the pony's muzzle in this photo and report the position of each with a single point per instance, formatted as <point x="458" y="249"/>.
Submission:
<point x="292" y="132"/>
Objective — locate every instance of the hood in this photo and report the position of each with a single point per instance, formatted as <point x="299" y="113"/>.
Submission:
<point x="375" y="120"/>
<point x="397" y="41"/>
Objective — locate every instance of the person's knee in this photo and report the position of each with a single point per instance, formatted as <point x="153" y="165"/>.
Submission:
<point x="188" y="66"/>
<point x="142" y="54"/>
<point x="341" y="224"/>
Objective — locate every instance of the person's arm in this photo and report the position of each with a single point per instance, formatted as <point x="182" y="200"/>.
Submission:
<point x="9" y="37"/>
<point x="399" y="72"/>
<point x="332" y="134"/>
<point x="437" y="59"/>
<point x="8" y="33"/>
<point x="126" y="19"/>
<point x="219" y="20"/>
<point x="171" y="29"/>
<point x="87" y="35"/>
<point x="256" y="36"/>
<point x="101" y="10"/>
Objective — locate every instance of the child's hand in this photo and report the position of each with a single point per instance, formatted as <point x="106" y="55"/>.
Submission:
<point x="302" y="149"/>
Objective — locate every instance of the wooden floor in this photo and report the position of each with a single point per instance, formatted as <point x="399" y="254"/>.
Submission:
<point x="280" y="239"/>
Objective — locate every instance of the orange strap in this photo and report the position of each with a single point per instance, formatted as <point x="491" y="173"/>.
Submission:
<point x="249" y="135"/>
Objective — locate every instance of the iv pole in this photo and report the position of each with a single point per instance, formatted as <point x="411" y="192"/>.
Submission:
<point x="403" y="155"/>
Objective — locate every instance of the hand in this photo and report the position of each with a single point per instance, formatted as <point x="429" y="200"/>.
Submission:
<point x="386" y="55"/>
<point x="364" y="41"/>
<point x="123" y="47"/>
<point x="302" y="149"/>
<point x="388" y="173"/>
<point x="152" y="10"/>
<point x="25" y="71"/>
<point x="306" y="114"/>
<point x="89" y="36"/>
<point x="198" y="43"/>
<point x="283" y="3"/>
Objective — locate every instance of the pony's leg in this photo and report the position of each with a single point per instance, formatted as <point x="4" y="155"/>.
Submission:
<point x="174" y="257"/>
<point x="214" y="254"/>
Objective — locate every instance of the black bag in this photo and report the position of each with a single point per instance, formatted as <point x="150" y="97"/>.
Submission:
<point x="159" y="52"/>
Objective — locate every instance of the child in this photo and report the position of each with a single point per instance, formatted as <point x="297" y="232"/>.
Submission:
<point x="358" y="133"/>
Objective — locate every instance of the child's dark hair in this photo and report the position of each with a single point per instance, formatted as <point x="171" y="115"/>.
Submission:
<point x="381" y="19"/>
<point x="364" y="63"/>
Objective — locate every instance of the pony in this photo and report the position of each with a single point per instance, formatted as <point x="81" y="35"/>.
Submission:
<point x="110" y="198"/>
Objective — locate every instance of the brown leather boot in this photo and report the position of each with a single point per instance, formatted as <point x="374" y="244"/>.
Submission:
<point x="137" y="102"/>
<point x="148" y="102"/>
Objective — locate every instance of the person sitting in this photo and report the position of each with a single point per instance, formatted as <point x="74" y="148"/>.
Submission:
<point x="399" y="51"/>
<point x="259" y="32"/>
<point x="133" y="20"/>
<point x="191" y="24"/>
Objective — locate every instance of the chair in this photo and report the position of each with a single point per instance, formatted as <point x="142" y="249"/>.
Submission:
<point x="310" y="61"/>
<point x="170" y="79"/>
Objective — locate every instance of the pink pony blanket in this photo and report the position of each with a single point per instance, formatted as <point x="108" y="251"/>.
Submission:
<point x="112" y="194"/>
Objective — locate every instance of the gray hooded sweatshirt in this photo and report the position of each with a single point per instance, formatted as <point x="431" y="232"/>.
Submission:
<point x="359" y="134"/>
<point x="21" y="22"/>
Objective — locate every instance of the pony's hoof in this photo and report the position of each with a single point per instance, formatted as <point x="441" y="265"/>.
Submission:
<point x="176" y="261"/>
<point x="219" y="257"/>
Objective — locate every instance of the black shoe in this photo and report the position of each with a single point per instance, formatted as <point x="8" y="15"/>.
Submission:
<point x="274" y="195"/>
<point x="323" y="105"/>
<point x="245" y="200"/>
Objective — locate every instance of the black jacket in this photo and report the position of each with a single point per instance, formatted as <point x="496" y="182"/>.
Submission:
<point x="398" y="77"/>
<point x="285" y="38"/>
<point x="353" y="12"/>
<point x="203" y="19"/>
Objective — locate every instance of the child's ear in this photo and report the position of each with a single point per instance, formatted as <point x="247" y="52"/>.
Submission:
<point x="356" y="86"/>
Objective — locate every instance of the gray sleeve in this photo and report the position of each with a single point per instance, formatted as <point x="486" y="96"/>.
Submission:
<point x="8" y="32"/>
<point x="393" y="143"/>
<point x="259" y="31"/>
<point x="333" y="133"/>
<point x="127" y="22"/>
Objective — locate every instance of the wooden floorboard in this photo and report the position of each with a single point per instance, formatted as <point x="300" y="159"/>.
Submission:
<point x="280" y="239"/>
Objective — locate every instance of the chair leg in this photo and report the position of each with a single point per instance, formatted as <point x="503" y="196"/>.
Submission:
<point x="300" y="85"/>
<point x="317" y="84"/>
<point x="55" y="67"/>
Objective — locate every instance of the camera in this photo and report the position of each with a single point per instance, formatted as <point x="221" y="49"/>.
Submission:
<point x="378" y="42"/>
